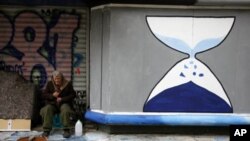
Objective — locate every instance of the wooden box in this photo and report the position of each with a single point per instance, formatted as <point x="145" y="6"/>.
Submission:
<point x="15" y="124"/>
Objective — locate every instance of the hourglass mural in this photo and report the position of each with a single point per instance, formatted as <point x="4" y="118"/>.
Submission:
<point x="189" y="86"/>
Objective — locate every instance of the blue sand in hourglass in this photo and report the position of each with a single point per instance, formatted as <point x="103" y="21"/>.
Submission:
<point x="183" y="47"/>
<point x="187" y="97"/>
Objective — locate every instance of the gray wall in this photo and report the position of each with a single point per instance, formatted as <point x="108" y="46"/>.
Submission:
<point x="127" y="61"/>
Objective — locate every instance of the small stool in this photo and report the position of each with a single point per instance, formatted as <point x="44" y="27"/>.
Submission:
<point x="56" y="121"/>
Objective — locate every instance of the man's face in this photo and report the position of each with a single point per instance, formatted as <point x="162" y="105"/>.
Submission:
<point x="58" y="80"/>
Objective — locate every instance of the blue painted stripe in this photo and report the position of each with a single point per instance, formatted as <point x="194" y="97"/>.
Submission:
<point x="176" y="120"/>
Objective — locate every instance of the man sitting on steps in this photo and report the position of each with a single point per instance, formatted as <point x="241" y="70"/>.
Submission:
<point x="58" y="95"/>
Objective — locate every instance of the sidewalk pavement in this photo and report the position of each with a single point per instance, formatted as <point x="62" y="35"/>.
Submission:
<point x="56" y="135"/>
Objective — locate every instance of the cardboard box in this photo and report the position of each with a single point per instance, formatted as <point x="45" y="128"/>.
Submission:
<point x="15" y="124"/>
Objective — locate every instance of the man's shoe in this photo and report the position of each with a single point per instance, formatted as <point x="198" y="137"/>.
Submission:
<point x="45" y="133"/>
<point x="66" y="133"/>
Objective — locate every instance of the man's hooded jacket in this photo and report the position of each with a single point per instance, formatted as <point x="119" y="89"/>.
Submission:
<point x="67" y="92"/>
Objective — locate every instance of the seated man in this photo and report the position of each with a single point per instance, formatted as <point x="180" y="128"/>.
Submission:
<point x="58" y="95"/>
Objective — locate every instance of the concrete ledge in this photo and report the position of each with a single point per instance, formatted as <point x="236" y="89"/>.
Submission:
<point x="176" y="119"/>
<point x="165" y="129"/>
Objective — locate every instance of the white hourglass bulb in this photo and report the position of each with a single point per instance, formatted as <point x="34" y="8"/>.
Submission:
<point x="190" y="35"/>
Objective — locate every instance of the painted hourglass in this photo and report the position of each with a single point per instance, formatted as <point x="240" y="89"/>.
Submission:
<point x="189" y="86"/>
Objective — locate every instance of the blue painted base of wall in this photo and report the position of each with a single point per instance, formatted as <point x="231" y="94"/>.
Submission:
<point x="178" y="119"/>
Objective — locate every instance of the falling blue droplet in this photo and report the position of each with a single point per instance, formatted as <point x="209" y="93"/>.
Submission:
<point x="201" y="75"/>
<point x="195" y="66"/>
<point x="182" y="74"/>
<point x="185" y="66"/>
<point x="194" y="73"/>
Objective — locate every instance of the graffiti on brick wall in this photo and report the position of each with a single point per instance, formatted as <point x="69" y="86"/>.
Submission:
<point x="34" y="43"/>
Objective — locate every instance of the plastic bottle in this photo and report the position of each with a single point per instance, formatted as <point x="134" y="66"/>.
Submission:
<point x="78" y="128"/>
